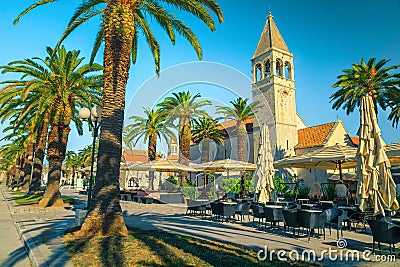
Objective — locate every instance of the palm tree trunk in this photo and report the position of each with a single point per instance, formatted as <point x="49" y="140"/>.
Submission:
<point x="28" y="163"/>
<point x="152" y="147"/>
<point x="241" y="140"/>
<point x="105" y="212"/>
<point x="205" y="152"/>
<point x="21" y="164"/>
<point x="184" y="146"/>
<point x="41" y="138"/>
<point x="57" y="146"/>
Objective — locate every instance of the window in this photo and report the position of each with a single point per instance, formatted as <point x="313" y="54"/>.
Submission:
<point x="278" y="71"/>
<point x="267" y="69"/>
<point x="258" y="72"/>
<point x="288" y="70"/>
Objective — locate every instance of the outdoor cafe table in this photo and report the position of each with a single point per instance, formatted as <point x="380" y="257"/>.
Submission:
<point x="274" y="206"/>
<point x="313" y="211"/>
<point x="326" y="202"/>
<point x="228" y="203"/>
<point x="287" y="203"/>
<point x="303" y="200"/>
<point x="309" y="205"/>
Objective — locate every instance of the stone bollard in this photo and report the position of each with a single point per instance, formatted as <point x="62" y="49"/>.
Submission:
<point x="80" y="216"/>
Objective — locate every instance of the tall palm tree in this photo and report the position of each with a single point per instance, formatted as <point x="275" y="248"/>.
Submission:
<point x="205" y="130"/>
<point x="150" y="127"/>
<point x="370" y="77"/>
<point x="184" y="107"/>
<point x="59" y="85"/>
<point x="122" y="23"/>
<point x="73" y="161"/>
<point x="240" y="111"/>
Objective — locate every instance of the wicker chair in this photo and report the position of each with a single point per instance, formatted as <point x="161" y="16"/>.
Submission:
<point x="311" y="221"/>
<point x="243" y="209"/>
<point x="361" y="217"/>
<point x="385" y="232"/>
<point x="258" y="212"/>
<point x="333" y="218"/>
<point x="291" y="220"/>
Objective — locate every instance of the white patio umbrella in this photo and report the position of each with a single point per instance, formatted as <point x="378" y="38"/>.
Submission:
<point x="226" y="165"/>
<point x="162" y="165"/>
<point x="326" y="158"/>
<point x="376" y="187"/>
<point x="264" y="174"/>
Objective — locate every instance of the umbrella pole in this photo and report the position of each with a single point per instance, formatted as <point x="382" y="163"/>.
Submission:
<point x="340" y="171"/>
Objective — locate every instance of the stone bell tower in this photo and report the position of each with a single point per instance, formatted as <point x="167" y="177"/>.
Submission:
<point x="273" y="83"/>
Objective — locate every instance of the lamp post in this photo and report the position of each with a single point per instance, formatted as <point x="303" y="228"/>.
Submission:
<point x="95" y="117"/>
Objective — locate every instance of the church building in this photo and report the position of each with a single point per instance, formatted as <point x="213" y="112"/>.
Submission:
<point x="273" y="88"/>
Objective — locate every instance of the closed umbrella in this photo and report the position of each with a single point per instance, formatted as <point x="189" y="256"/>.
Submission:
<point x="264" y="174"/>
<point x="376" y="187"/>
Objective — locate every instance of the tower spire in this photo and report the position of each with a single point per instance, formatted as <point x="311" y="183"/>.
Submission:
<point x="270" y="37"/>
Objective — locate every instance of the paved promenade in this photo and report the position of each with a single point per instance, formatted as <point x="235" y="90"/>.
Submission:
<point x="42" y="231"/>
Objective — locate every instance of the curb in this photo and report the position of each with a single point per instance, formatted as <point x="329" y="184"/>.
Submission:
<point x="31" y="247"/>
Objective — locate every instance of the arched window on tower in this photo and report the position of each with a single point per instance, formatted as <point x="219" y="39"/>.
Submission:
<point x="278" y="67"/>
<point x="258" y="72"/>
<point x="288" y="70"/>
<point x="267" y="69"/>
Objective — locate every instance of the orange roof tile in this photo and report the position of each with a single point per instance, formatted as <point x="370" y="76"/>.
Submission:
<point x="355" y="140"/>
<point x="232" y="123"/>
<point x="135" y="158"/>
<point x="314" y="136"/>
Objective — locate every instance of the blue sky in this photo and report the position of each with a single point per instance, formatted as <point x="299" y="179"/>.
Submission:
<point x="324" y="36"/>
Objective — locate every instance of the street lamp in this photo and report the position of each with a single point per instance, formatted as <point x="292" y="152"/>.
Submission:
<point x="95" y="117"/>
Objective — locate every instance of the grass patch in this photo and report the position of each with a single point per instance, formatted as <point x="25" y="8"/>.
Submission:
<point x="152" y="248"/>
<point x="35" y="199"/>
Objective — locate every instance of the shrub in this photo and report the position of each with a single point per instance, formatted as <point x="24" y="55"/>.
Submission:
<point x="304" y="191"/>
<point x="171" y="184"/>
<point x="329" y="191"/>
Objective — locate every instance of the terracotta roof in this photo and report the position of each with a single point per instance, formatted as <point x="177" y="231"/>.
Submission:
<point x="355" y="140"/>
<point x="135" y="158"/>
<point x="232" y="123"/>
<point x="270" y="37"/>
<point x="314" y="136"/>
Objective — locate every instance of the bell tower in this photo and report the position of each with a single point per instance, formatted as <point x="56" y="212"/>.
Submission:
<point x="273" y="83"/>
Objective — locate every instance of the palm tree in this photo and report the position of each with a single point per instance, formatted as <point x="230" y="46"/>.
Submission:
<point x="205" y="130"/>
<point x="150" y="127"/>
<point x="12" y="157"/>
<point x="20" y="116"/>
<point x="73" y="161"/>
<point x="393" y="100"/>
<point x="184" y="107"/>
<point x="240" y="111"/>
<point x="365" y="78"/>
<point x="123" y="21"/>
<point x="58" y="85"/>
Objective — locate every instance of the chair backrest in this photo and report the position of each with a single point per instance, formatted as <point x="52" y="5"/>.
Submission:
<point x="304" y="218"/>
<point x="246" y="208"/>
<point x="290" y="217"/>
<point x="332" y="214"/>
<point x="258" y="211"/>
<point x="269" y="214"/>
<point x="383" y="231"/>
